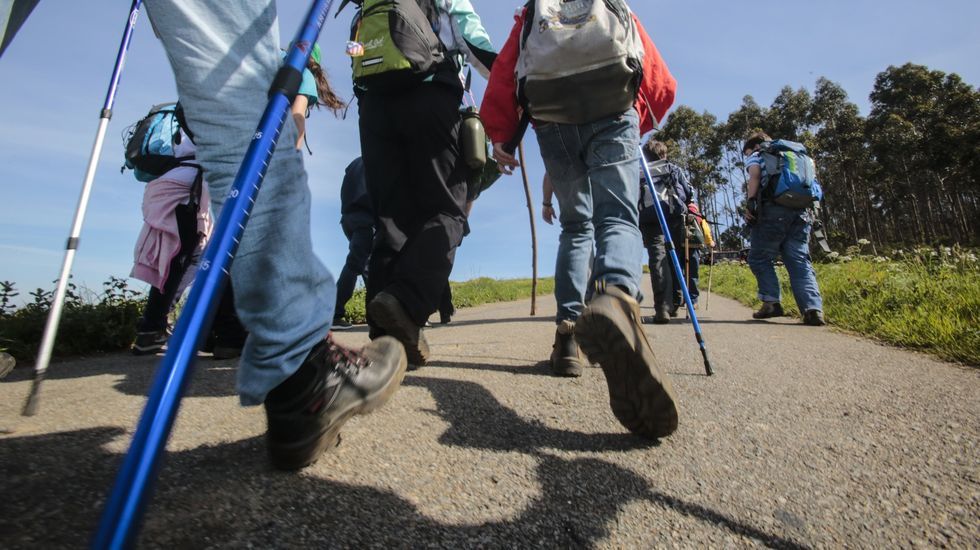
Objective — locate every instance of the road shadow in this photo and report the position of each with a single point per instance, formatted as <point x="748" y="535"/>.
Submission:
<point x="474" y="322"/>
<point x="477" y="420"/>
<point x="225" y="496"/>
<point x="209" y="378"/>
<point x="540" y="368"/>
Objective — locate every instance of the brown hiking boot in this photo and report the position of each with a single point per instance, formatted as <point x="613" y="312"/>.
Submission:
<point x="769" y="310"/>
<point x="566" y="356"/>
<point x="305" y="419"/>
<point x="387" y="312"/>
<point x="640" y="393"/>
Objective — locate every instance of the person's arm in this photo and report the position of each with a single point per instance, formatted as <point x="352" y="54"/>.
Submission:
<point x="500" y="110"/>
<point x="658" y="87"/>
<point x="547" y="208"/>
<point x="752" y="191"/>
<point x="476" y="44"/>
<point x="299" y="116"/>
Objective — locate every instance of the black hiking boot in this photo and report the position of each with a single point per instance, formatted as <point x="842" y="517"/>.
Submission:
<point x="662" y="316"/>
<point x="339" y="323"/>
<point x="566" y="356"/>
<point x="640" y="393"/>
<point x="814" y="318"/>
<point x="334" y="384"/>
<point x="769" y="310"/>
<point x="387" y="312"/>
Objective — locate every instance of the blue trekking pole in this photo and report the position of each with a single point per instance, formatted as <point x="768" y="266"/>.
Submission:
<point x="669" y="245"/>
<point x="58" y="300"/>
<point x="124" y="509"/>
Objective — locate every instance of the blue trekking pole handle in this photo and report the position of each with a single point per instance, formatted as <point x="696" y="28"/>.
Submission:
<point x="71" y="247"/>
<point x="127" y="501"/>
<point x="669" y="244"/>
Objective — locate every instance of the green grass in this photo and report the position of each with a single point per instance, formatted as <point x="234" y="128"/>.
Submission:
<point x="470" y="293"/>
<point x="925" y="305"/>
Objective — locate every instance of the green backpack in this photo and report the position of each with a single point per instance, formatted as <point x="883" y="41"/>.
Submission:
<point x="395" y="44"/>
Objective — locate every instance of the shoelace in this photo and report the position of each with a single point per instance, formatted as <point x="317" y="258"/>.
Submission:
<point x="345" y="358"/>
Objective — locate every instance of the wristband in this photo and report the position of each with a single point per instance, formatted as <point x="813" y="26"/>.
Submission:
<point x="548" y="204"/>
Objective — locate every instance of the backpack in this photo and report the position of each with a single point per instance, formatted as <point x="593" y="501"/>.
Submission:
<point x="150" y="143"/>
<point x="398" y="45"/>
<point x="792" y="175"/>
<point x="592" y="46"/>
<point x="665" y="183"/>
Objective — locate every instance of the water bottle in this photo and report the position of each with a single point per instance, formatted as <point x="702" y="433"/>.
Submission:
<point x="473" y="139"/>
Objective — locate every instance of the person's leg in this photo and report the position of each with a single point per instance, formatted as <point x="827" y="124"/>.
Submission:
<point x="660" y="270"/>
<point x="803" y="279"/>
<point x="446" y="309"/>
<point x="612" y="156"/>
<point x="560" y="150"/>
<point x="427" y="121"/>
<point x="609" y="331"/>
<point x="358" y="254"/>
<point x="224" y="56"/>
<point x="676" y="228"/>
<point x="152" y="328"/>
<point x="765" y="242"/>
<point x="694" y="265"/>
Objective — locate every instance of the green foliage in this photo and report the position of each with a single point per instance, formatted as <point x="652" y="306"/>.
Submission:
<point x="927" y="299"/>
<point x="908" y="173"/>
<point x="469" y="294"/>
<point x="102" y="323"/>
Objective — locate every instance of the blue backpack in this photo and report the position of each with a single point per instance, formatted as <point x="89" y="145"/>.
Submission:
<point x="792" y="175"/>
<point x="150" y="143"/>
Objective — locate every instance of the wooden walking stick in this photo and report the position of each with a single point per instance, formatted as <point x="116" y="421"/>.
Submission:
<point x="534" y="233"/>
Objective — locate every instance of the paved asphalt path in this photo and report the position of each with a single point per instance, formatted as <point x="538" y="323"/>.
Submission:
<point x="805" y="437"/>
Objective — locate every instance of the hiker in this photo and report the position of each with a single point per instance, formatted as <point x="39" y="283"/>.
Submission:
<point x="699" y="242"/>
<point x="779" y="230"/>
<point x="315" y="90"/>
<point x="176" y="228"/>
<point x="309" y="385"/>
<point x="410" y="124"/>
<point x="589" y="141"/>
<point x="675" y="195"/>
<point x="357" y="222"/>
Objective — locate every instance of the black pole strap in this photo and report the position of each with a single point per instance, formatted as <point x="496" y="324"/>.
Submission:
<point x="286" y="82"/>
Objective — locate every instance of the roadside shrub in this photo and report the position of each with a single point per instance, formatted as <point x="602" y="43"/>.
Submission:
<point x="90" y="322"/>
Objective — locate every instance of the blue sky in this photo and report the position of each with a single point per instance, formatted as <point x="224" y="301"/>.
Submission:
<point x="56" y="71"/>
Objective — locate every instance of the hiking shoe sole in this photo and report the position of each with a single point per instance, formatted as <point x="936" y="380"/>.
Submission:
<point x="387" y="312"/>
<point x="640" y="394"/>
<point x="299" y="454"/>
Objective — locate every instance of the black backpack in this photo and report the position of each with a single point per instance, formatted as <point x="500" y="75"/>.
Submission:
<point x="150" y="142"/>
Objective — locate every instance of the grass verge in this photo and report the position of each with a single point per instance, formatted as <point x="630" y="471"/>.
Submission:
<point x="928" y="306"/>
<point x="475" y="292"/>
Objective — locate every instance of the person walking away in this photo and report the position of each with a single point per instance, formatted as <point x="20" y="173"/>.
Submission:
<point x="675" y="195"/>
<point x="590" y="141"/>
<point x="309" y="385"/>
<point x="357" y="222"/>
<point x="779" y="230"/>
<point x="410" y="124"/>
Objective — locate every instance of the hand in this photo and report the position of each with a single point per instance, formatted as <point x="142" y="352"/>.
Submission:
<point x="506" y="162"/>
<point x="548" y="214"/>
<point x="751" y="209"/>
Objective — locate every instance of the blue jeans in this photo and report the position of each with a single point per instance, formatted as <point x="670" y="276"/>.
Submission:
<point x="224" y="56"/>
<point x="594" y="169"/>
<point x="786" y="232"/>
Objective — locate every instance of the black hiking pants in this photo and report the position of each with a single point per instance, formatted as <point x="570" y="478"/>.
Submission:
<point x="417" y="182"/>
